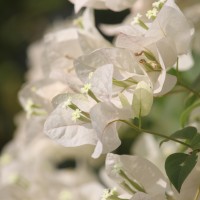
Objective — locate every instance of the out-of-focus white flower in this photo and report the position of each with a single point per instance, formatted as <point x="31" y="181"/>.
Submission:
<point x="24" y="172"/>
<point x="60" y="48"/>
<point x="151" y="14"/>
<point x="36" y="97"/>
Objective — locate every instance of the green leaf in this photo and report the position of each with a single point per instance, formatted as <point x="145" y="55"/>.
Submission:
<point x="178" y="166"/>
<point x="196" y="84"/>
<point x="190" y="100"/>
<point x="195" y="143"/>
<point x="187" y="133"/>
<point x="185" y="115"/>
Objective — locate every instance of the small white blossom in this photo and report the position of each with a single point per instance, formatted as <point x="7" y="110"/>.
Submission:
<point x="136" y="19"/>
<point x="79" y="22"/>
<point x="29" y="107"/>
<point x="117" y="168"/>
<point x="158" y="4"/>
<point x="76" y="115"/>
<point x="86" y="88"/>
<point x="108" y="193"/>
<point x="152" y="13"/>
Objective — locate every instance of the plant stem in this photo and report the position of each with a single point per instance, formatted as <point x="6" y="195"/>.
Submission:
<point x="179" y="81"/>
<point x="153" y="133"/>
<point x="188" y="88"/>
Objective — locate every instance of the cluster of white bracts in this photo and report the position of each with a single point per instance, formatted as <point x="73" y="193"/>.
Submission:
<point x="80" y="86"/>
<point x="110" y="83"/>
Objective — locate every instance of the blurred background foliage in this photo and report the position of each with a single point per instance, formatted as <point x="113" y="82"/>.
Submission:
<point x="25" y="21"/>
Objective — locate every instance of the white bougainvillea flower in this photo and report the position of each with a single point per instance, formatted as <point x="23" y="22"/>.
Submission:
<point x="124" y="63"/>
<point x="78" y="119"/>
<point x="115" y="68"/>
<point x="36" y="97"/>
<point x="115" y="5"/>
<point x="67" y="43"/>
<point x="89" y="118"/>
<point x="128" y="70"/>
<point x="62" y="126"/>
<point x="162" y="34"/>
<point x="137" y="176"/>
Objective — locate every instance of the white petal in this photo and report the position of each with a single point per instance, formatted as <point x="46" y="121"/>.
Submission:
<point x="60" y="127"/>
<point x="102" y="116"/>
<point x="102" y="82"/>
<point x="147" y="174"/>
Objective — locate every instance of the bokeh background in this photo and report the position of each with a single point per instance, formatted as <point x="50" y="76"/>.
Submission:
<point x="25" y="21"/>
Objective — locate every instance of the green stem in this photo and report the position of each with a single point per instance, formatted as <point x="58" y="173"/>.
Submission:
<point x="188" y="88"/>
<point x="153" y="133"/>
<point x="183" y="84"/>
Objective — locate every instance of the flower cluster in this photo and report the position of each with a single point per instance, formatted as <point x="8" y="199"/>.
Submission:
<point x="82" y="88"/>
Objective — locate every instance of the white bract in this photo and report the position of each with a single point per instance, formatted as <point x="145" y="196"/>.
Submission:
<point x="136" y="174"/>
<point x="128" y="70"/>
<point x="142" y="179"/>
<point x="162" y="36"/>
<point x="67" y="125"/>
